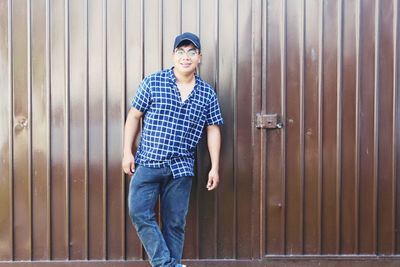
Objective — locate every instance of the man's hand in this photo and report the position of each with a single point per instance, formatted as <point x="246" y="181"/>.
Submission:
<point x="128" y="164"/>
<point x="213" y="180"/>
<point x="130" y="132"/>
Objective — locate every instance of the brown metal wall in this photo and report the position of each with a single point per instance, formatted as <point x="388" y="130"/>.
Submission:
<point x="330" y="68"/>
<point x="324" y="184"/>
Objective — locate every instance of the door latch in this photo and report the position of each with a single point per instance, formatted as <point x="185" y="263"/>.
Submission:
<point x="268" y="121"/>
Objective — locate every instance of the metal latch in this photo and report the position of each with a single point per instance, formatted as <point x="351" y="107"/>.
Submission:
<point x="268" y="121"/>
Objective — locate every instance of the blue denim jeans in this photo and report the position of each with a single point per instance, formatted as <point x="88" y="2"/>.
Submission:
<point x="164" y="247"/>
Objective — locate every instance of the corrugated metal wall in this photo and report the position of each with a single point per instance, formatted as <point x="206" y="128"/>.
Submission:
<point x="325" y="184"/>
<point x="331" y="176"/>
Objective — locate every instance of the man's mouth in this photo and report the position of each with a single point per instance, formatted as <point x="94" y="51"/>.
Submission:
<point x="186" y="65"/>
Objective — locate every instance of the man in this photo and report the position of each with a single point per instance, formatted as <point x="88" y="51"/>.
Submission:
<point x="176" y="105"/>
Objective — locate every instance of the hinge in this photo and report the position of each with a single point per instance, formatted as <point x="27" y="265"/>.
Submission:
<point x="268" y="121"/>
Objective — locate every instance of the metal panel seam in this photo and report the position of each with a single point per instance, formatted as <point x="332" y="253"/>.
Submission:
<point x="320" y="118"/>
<point x="339" y="124"/>
<point x="283" y="32"/>
<point x="10" y="131"/>
<point x="263" y="206"/>
<point x="86" y="126"/>
<point x="357" y="131"/>
<point x="302" y="121"/>
<point x="48" y="130"/>
<point x="30" y="125"/>
<point x="216" y="211"/>
<point x="395" y="118"/>
<point x="161" y="32"/>
<point x="235" y="132"/>
<point x="123" y="97"/>
<point x="67" y="127"/>
<point x="197" y="207"/>
<point x="104" y="128"/>
<point x="376" y="129"/>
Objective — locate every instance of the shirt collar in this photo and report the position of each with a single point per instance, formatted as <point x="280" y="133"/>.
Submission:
<point x="173" y="78"/>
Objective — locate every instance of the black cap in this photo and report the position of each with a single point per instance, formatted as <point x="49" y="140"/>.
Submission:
<point x="187" y="36"/>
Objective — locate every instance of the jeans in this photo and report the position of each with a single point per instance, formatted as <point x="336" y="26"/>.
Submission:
<point x="164" y="247"/>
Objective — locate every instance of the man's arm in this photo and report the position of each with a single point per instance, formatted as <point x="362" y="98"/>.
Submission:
<point x="214" y="147"/>
<point x="131" y="130"/>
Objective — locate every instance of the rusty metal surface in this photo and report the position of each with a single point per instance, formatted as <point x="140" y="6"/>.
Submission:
<point x="324" y="184"/>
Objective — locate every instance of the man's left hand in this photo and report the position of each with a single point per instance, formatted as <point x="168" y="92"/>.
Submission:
<point x="213" y="180"/>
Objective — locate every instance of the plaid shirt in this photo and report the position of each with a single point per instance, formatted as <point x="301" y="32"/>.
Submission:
<point x="172" y="128"/>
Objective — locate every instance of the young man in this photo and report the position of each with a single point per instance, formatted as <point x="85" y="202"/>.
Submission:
<point x="175" y="105"/>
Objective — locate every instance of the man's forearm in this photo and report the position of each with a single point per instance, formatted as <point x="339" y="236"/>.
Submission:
<point x="214" y="145"/>
<point x="131" y="130"/>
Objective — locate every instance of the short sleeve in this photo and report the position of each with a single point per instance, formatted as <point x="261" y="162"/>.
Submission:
<point x="142" y="99"/>
<point x="214" y="116"/>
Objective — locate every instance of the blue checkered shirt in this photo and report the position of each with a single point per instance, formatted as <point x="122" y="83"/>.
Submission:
<point x="172" y="128"/>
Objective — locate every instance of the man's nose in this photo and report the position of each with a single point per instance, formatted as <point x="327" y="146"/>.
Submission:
<point x="185" y="56"/>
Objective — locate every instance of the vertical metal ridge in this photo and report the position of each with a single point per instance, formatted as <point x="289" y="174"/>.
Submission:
<point x="235" y="131"/>
<point x="339" y="108"/>
<point x="142" y="25"/>
<point x="125" y="78"/>
<point x="256" y="236"/>
<point x="216" y="211"/>
<point x="10" y="128"/>
<point x="376" y="130"/>
<point x="357" y="132"/>
<point x="395" y="120"/>
<point x="197" y="207"/>
<point x="160" y="33"/>
<point x="198" y="27"/>
<point x="104" y="128"/>
<point x="197" y="210"/>
<point x="30" y="124"/>
<point x="142" y="42"/>
<point x="216" y="41"/>
<point x="48" y="130"/>
<point x="86" y="126"/>
<point x="180" y="15"/>
<point x="123" y="97"/>
<point x="263" y="206"/>
<point x="198" y="6"/>
<point x="283" y="112"/>
<point x="320" y="118"/>
<point x="67" y="127"/>
<point x="264" y="48"/>
<point x="301" y="132"/>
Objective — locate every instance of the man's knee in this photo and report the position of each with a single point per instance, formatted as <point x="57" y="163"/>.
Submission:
<point x="137" y="212"/>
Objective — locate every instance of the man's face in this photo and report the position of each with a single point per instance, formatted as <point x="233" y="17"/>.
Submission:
<point x="186" y="59"/>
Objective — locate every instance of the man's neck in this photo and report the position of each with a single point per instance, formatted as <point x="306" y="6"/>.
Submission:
<point x="184" y="79"/>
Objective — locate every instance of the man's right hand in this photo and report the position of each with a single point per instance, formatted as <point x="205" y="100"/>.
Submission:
<point x="128" y="164"/>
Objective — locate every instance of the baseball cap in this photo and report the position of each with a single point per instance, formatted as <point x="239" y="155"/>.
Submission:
<point x="187" y="36"/>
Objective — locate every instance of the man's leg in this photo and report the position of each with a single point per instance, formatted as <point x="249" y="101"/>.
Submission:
<point x="175" y="195"/>
<point x="143" y="194"/>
